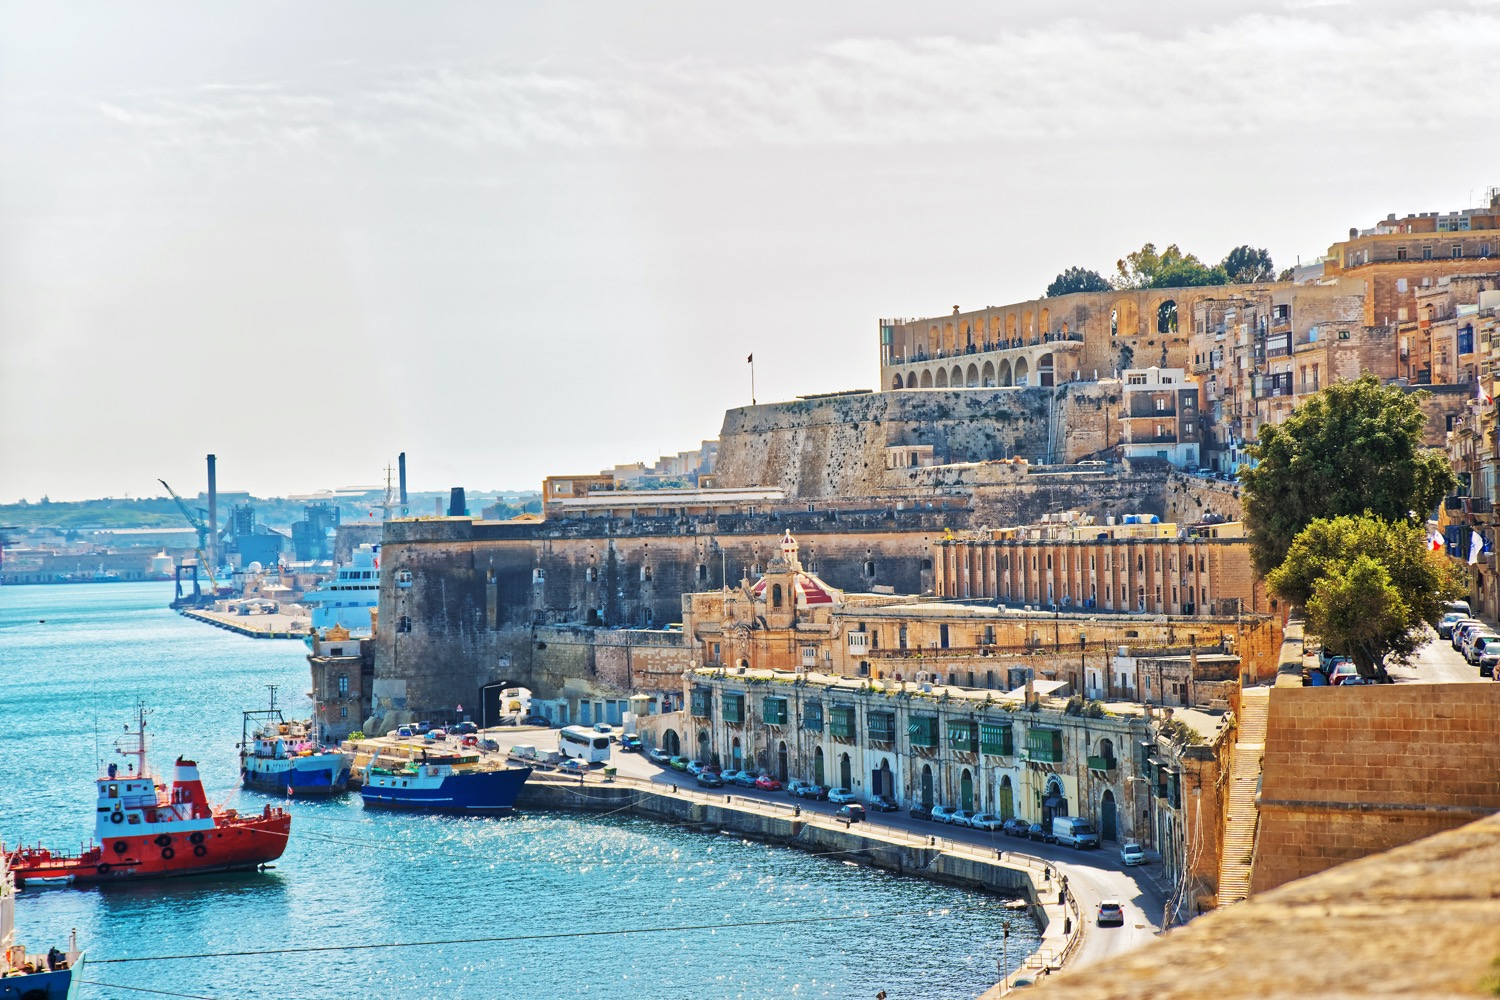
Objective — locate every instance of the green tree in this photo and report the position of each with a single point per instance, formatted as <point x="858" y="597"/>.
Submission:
<point x="1247" y="265"/>
<point x="1355" y="447"/>
<point x="1078" y="279"/>
<point x="1369" y="586"/>
<point x="1171" y="268"/>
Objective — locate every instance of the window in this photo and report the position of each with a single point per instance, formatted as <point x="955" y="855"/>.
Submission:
<point x="1401" y="253"/>
<point x="1458" y="251"/>
<point x="403" y="624"/>
<point x="776" y="596"/>
<point x="1044" y="745"/>
<point x="773" y="711"/>
<point x="841" y="722"/>
<point x="812" y="716"/>
<point x="734" y="707"/>
<point x="343" y="685"/>
<point x="702" y="703"/>
<point x="923" y="730"/>
<point x="1161" y="405"/>
<point x="883" y="727"/>
<point x="1427" y="253"/>
<point x="995" y="740"/>
<point x="962" y="737"/>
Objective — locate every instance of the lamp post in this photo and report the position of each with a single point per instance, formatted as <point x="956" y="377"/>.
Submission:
<point x="1082" y="670"/>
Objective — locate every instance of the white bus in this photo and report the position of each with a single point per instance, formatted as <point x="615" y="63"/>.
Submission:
<point x="585" y="744"/>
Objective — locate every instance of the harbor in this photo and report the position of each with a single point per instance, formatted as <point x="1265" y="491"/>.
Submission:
<point x="264" y="625"/>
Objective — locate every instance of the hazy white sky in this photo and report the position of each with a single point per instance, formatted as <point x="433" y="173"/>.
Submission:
<point x="515" y="239"/>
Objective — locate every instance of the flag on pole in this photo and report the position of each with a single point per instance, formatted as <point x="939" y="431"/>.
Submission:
<point x="750" y="360"/>
<point x="1480" y="396"/>
<point x="1435" y="542"/>
<point x="1476" y="546"/>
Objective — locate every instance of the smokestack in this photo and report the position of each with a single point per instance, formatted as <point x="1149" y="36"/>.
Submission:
<point x="401" y="466"/>
<point x="213" y="513"/>
<point x="457" y="505"/>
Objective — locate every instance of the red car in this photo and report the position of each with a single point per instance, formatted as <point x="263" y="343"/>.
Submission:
<point x="767" y="783"/>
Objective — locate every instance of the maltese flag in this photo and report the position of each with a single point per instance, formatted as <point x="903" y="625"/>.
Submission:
<point x="1435" y="542"/>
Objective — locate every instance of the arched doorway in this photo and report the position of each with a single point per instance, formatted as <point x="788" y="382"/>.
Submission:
<point x="1007" y="799"/>
<point x="1107" y="829"/>
<point x="926" y="378"/>
<point x="896" y="382"/>
<point x="818" y="766"/>
<point x="1022" y="371"/>
<point x="781" y="774"/>
<point x="882" y="781"/>
<point x="966" y="790"/>
<point x="670" y="742"/>
<point x="846" y="776"/>
<point x="1053" y="803"/>
<point x="736" y="755"/>
<point x="927" y="799"/>
<point x="703" y="747"/>
<point x="941" y="381"/>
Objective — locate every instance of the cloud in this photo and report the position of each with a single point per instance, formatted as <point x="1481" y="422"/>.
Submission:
<point x="1309" y="69"/>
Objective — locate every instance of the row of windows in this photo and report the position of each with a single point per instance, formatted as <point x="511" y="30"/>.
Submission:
<point x="1005" y="562"/>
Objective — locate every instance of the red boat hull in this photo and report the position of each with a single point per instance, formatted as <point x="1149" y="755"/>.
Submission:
<point x="240" y="844"/>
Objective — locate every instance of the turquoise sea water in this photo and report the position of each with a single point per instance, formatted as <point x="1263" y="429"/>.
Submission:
<point x="75" y="658"/>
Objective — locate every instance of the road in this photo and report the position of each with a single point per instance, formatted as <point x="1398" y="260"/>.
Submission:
<point x="1092" y="875"/>
<point x="1437" y="662"/>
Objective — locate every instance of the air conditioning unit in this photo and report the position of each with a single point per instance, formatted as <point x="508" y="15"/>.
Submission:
<point x="740" y="670"/>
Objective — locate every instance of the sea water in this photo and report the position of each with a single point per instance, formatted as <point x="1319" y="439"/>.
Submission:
<point x="537" y="905"/>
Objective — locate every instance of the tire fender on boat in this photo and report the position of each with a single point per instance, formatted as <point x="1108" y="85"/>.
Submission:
<point x="199" y="851"/>
<point x="117" y="817"/>
<point x="102" y="869"/>
<point x="167" y="853"/>
<point x="196" y="838"/>
<point x="162" y="840"/>
<point x="121" y="847"/>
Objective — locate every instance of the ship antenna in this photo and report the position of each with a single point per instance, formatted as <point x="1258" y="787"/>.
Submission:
<point x="273" y="695"/>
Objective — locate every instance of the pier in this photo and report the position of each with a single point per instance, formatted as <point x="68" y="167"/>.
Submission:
<point x="264" y="626"/>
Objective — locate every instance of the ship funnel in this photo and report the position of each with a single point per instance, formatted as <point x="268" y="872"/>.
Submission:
<point x="457" y="505"/>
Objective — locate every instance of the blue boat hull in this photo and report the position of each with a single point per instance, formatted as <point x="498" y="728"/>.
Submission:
<point x="40" y="986"/>
<point x="321" y="781"/>
<point x="470" y="793"/>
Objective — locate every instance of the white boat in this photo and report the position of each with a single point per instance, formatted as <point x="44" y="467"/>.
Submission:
<point x="349" y="597"/>
<point x="23" y="976"/>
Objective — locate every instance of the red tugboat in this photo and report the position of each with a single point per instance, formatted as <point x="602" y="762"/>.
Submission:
<point x="145" y="831"/>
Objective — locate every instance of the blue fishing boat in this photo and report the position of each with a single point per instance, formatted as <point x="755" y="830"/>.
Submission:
<point x="444" y="784"/>
<point x="283" y="757"/>
<point x="23" y="976"/>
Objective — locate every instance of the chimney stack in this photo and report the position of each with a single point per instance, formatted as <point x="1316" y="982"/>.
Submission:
<point x="401" y="465"/>
<point x="213" y="513"/>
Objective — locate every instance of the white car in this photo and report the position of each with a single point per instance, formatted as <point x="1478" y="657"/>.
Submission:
<point x="840" y="796"/>
<point x="986" y="821"/>
<point x="942" y="814"/>
<point x="961" y="817"/>
<point x="1132" y="853"/>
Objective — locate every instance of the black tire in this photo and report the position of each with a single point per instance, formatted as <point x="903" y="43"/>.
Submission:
<point x="121" y="847"/>
<point x="162" y="840"/>
<point x="102" y="869"/>
<point x="196" y="838"/>
<point x="117" y="817"/>
<point x="199" y="851"/>
<point x="167" y="854"/>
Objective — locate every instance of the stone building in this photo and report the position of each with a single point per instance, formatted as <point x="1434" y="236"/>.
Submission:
<point x="343" y="677"/>
<point x="1160" y="416"/>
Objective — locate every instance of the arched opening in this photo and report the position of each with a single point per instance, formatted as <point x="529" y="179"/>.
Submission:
<point x="1022" y="372"/>
<point x="1004" y="376"/>
<point x="949" y="344"/>
<point x="966" y="334"/>
<point x="1046" y="320"/>
<point x="1124" y="321"/>
<point x="927" y="799"/>
<point x="987" y="374"/>
<point x="1166" y="317"/>
<point x="1044" y="373"/>
<point x="704" y="749"/>
<point x="1107" y="751"/>
<point x="818" y="767"/>
<point x="671" y="743"/>
<point x="846" y="771"/>
<point x="926" y="379"/>
<point x="1028" y="324"/>
<point x="1114" y="322"/>
<point x="1007" y="799"/>
<point x="956" y="377"/>
<point x="896" y="382"/>
<point x="1108" y="827"/>
<point x="941" y="381"/>
<point x="1053" y="802"/>
<point x="971" y="376"/>
<point x="966" y="790"/>
<point x="882" y="781"/>
<point x="1010" y="326"/>
<point x="776" y="595"/>
<point x="781" y="762"/>
<point x="934" y="341"/>
<point x="736" y="754"/>
<point x="994" y="330"/>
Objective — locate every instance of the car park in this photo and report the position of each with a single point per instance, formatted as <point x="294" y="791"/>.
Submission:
<point x="885" y="804"/>
<point x="920" y="811"/>
<point x="1015" y="827"/>
<point x="659" y="756"/>
<point x="745" y="779"/>
<point x="942" y="814"/>
<point x="1132" y="854"/>
<point x="850" y="813"/>
<point x="840" y="796"/>
<point x="986" y="821"/>
<point x="709" y="779"/>
<point x="766" y="783"/>
<point x="1111" y="912"/>
<point x="961" y="817"/>
<point x="678" y="763"/>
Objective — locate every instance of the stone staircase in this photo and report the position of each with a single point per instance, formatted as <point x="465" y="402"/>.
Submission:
<point x="1244" y="778"/>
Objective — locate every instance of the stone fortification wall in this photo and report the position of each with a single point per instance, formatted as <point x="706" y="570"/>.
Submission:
<point x="1189" y="499"/>
<point x="1351" y="772"/>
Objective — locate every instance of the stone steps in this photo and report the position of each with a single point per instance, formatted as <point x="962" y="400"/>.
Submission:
<point x="1244" y="776"/>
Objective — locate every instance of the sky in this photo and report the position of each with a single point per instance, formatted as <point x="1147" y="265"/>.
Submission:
<point x="518" y="239"/>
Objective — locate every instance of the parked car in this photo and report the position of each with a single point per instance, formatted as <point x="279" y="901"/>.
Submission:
<point x="986" y="821"/>
<point x="1462" y="607"/>
<point x="709" y="779"/>
<point x="920" y="811"/>
<point x="1037" y="831"/>
<point x="850" y="813"/>
<point x="1462" y="629"/>
<point x="573" y="765"/>
<point x="840" y="796"/>
<point x="1488" y="659"/>
<point x="537" y="720"/>
<point x="470" y="741"/>
<point x="659" y="756"/>
<point x="603" y="727"/>
<point x="695" y="768"/>
<point x="729" y="776"/>
<point x="745" y="779"/>
<point x="463" y="728"/>
<point x="1074" y="831"/>
<point x="1445" y="625"/>
<point x="961" y="817"/>
<point x="766" y="783"/>
<point x="883" y="803"/>
<point x="489" y="745"/>
<point x="941" y="814"/>
<point x="1015" y="827"/>
<point x="678" y="763"/>
<point x="1131" y="854"/>
<point x="1344" y="672"/>
<point x="630" y="743"/>
<point x="1111" y="912"/>
<point x="1476" y="645"/>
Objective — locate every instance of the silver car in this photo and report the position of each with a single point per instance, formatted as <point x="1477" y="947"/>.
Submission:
<point x="1132" y="853"/>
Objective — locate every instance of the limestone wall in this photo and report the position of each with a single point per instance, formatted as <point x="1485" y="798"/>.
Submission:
<point x="1350" y="772"/>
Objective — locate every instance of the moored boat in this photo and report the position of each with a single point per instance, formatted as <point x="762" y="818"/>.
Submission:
<point x="447" y="784"/>
<point x="283" y="758"/>
<point x="145" y="830"/>
<point x="23" y="976"/>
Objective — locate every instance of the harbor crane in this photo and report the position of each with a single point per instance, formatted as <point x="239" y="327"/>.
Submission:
<point x="204" y="531"/>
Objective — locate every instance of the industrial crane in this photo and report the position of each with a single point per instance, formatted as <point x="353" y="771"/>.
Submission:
<point x="203" y="530"/>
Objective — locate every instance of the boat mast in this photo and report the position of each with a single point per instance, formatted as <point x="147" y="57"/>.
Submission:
<point x="139" y="753"/>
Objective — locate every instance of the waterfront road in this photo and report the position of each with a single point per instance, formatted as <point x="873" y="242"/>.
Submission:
<point x="1092" y="875"/>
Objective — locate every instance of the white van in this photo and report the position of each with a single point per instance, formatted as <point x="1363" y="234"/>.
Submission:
<point x="1074" y="831"/>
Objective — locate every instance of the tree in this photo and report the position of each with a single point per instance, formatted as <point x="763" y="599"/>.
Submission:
<point x="1247" y="265"/>
<point x="1171" y="268"/>
<point x="1353" y="448"/>
<point x="1078" y="279"/>
<point x="1369" y="586"/>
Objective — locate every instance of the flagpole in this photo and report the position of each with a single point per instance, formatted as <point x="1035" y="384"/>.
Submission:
<point x="751" y="360"/>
